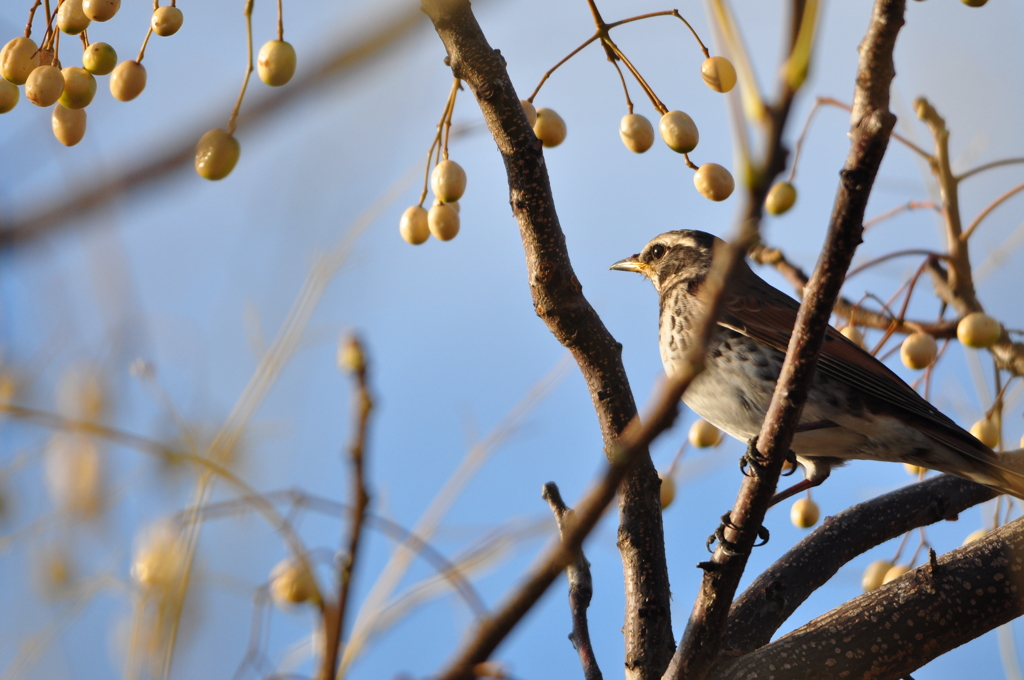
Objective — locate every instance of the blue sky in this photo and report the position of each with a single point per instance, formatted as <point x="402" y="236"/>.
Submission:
<point x="197" y="277"/>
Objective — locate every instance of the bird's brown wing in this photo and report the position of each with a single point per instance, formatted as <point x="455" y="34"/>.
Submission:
<point x="767" y="315"/>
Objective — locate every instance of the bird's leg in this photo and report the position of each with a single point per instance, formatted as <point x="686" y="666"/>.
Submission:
<point x="754" y="459"/>
<point x="816" y="472"/>
<point x="728" y="547"/>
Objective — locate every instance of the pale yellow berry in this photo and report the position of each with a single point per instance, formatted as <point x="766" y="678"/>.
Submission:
<point x="71" y="18"/>
<point x="703" y="434"/>
<point x="853" y="334"/>
<point x="44" y="85"/>
<point x="99" y="58"/>
<point x="668" y="490"/>
<point x="9" y="95"/>
<point x="443" y="221"/>
<point x="101" y="10"/>
<point x="276" y="62"/>
<point x="166" y="20"/>
<point x="68" y="124"/>
<point x="216" y="154"/>
<point x="18" y="59"/>
<point x="987" y="432"/>
<point x="161" y="557"/>
<point x="82" y="394"/>
<point x="291" y="583"/>
<point x="780" y="198"/>
<point x="74" y="475"/>
<point x="914" y="470"/>
<point x="918" y="351"/>
<point x="636" y="132"/>
<point x="975" y="535"/>
<point x="413" y="225"/>
<point x="529" y="110"/>
<point x="549" y="127"/>
<point x="1022" y="441"/>
<point x="718" y="73"/>
<point x="79" y="88"/>
<point x="804" y="513"/>
<point x="895" y="572"/>
<point x="874" y="574"/>
<point x="128" y="80"/>
<point x="448" y="181"/>
<point x="455" y="204"/>
<point x="714" y="182"/>
<point x="978" y="329"/>
<point x="350" y="354"/>
<point x="679" y="131"/>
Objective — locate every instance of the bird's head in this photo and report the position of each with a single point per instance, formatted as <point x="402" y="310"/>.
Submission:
<point x="683" y="255"/>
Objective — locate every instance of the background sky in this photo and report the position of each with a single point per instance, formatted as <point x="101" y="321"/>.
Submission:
<point x="197" y="277"/>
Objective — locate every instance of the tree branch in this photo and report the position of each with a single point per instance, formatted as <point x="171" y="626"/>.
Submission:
<point x="871" y="123"/>
<point x="904" y="624"/>
<point x="581" y="586"/>
<point x="770" y="600"/>
<point x="559" y="301"/>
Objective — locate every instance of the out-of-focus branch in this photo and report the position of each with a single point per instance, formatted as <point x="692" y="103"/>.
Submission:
<point x="559" y="301"/>
<point x="23" y="230"/>
<point x="354" y="360"/>
<point x="581" y="586"/>
<point x="905" y="623"/>
<point x="871" y="124"/>
<point x="769" y="601"/>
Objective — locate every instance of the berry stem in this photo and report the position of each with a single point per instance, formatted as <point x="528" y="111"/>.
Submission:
<point x="85" y="40"/>
<point x="31" y="18"/>
<point x="690" y="164"/>
<point x="607" y="41"/>
<point x="142" y="50"/>
<point x="625" y="90"/>
<point x="665" y="13"/>
<point x="233" y="121"/>
<point x="566" y="58"/>
<point x="280" y="19"/>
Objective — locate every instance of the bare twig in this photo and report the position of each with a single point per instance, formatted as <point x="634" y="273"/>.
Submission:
<point x="581" y="586"/>
<point x="334" y="617"/>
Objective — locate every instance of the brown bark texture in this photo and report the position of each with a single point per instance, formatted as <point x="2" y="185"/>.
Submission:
<point x="558" y="299"/>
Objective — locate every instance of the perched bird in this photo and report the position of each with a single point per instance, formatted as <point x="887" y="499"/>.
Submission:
<point x="856" y="407"/>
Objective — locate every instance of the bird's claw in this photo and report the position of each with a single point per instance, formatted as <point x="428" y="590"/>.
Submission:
<point x="728" y="547"/>
<point x="754" y="459"/>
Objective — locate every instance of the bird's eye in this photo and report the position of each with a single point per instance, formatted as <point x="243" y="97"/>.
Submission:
<point x="657" y="250"/>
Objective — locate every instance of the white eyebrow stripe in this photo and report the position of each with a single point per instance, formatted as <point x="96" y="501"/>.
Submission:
<point x="687" y="241"/>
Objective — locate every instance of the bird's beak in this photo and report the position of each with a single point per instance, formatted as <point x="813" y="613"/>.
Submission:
<point x="631" y="264"/>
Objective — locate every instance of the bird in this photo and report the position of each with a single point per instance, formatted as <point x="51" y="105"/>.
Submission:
<point x="856" y="408"/>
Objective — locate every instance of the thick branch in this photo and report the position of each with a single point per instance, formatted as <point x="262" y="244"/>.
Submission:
<point x="871" y="123"/>
<point x="780" y="589"/>
<point x="897" y="628"/>
<point x="559" y="301"/>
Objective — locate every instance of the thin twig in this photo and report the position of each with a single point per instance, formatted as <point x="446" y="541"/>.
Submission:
<point x="581" y="586"/>
<point x="334" y="617"/>
<point x="985" y="213"/>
